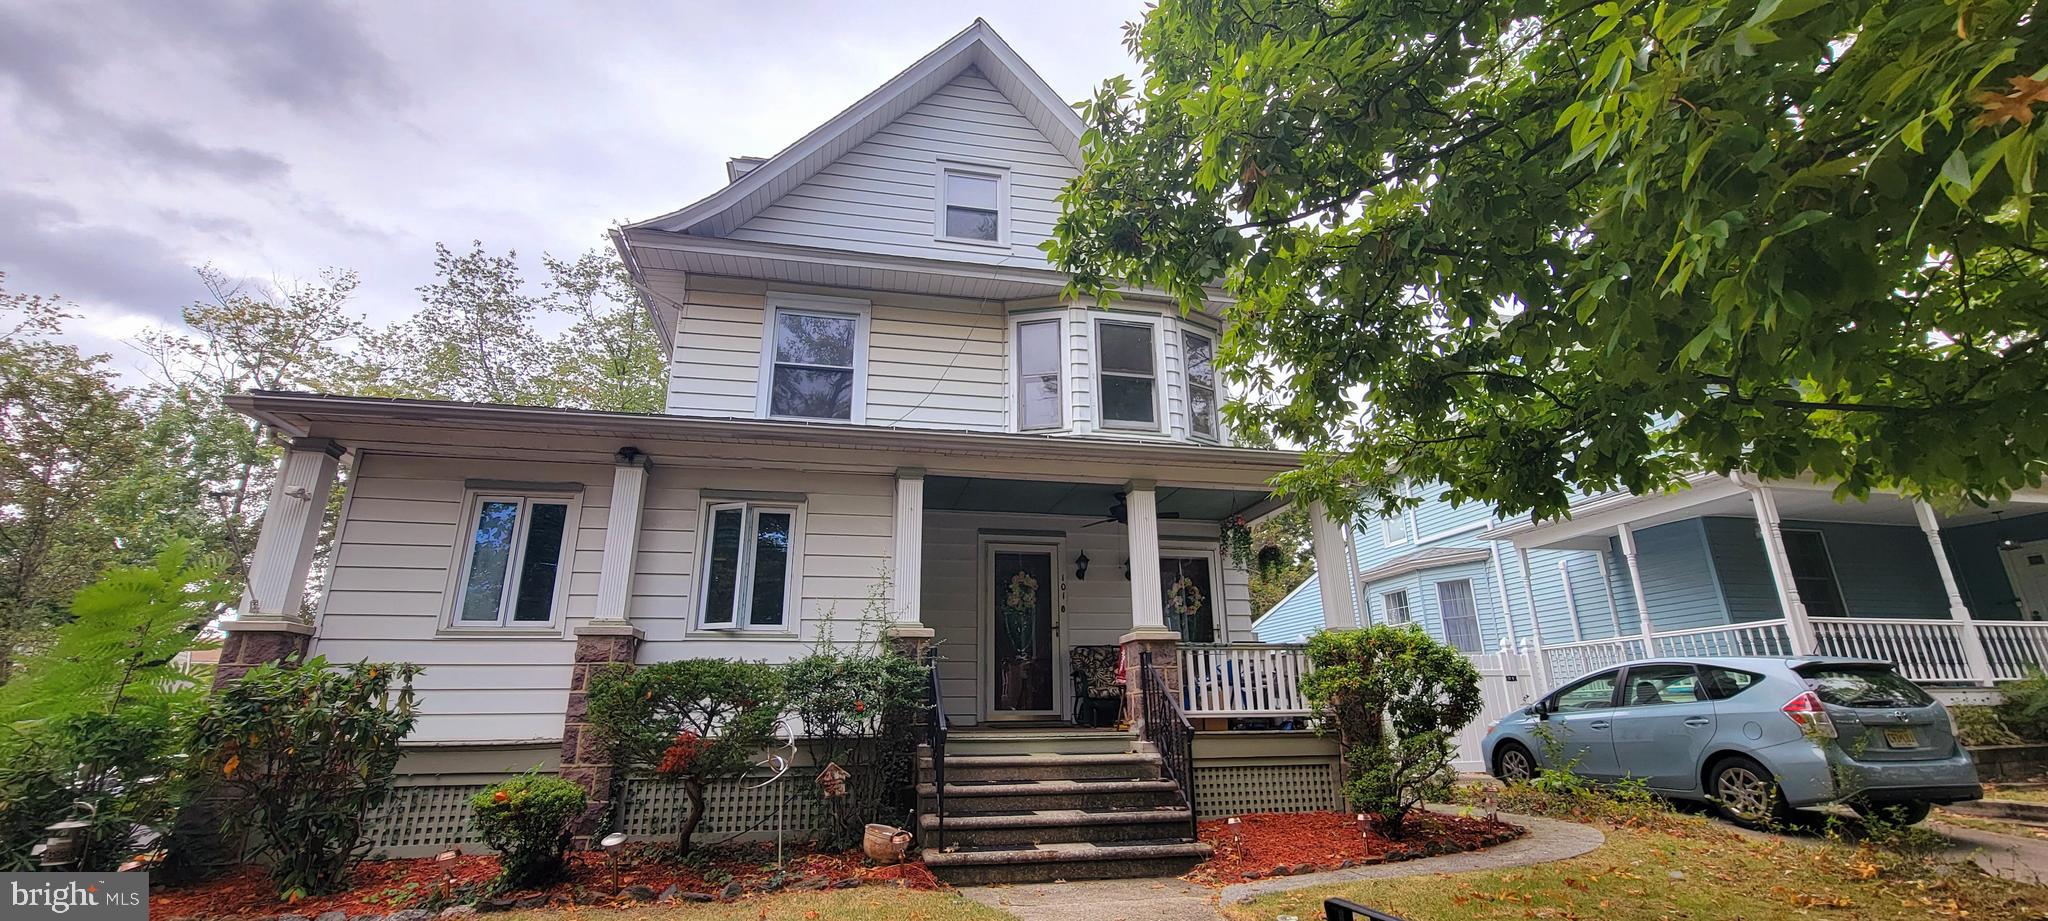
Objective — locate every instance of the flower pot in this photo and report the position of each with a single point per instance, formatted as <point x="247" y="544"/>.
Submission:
<point x="885" y="843"/>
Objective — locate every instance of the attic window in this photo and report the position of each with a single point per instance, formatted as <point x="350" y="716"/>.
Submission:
<point x="971" y="205"/>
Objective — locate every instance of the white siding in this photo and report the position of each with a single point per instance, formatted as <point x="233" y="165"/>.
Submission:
<point x="881" y="197"/>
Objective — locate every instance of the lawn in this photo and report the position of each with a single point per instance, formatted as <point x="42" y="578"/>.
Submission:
<point x="1686" y="868"/>
<point x="872" y="903"/>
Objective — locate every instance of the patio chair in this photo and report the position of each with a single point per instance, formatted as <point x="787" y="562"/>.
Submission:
<point x="1098" y="693"/>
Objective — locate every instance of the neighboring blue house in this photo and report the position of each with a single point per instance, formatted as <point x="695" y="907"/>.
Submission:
<point x="1959" y="598"/>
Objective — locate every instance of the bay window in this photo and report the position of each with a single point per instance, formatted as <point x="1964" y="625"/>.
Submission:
<point x="1129" y="377"/>
<point x="1038" y="375"/>
<point x="1198" y="357"/>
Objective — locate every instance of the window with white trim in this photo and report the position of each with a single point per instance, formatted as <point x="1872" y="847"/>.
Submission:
<point x="1198" y="359"/>
<point x="1128" y="376"/>
<point x="1038" y="374"/>
<point x="1396" y="606"/>
<point x="1394" y="531"/>
<point x="749" y="554"/>
<point x="512" y="564"/>
<point x="1460" y="617"/>
<point x="814" y="363"/>
<point x="971" y="205"/>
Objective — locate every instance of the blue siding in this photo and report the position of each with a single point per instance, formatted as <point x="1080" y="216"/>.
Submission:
<point x="1980" y="569"/>
<point x="1678" y="577"/>
<point x="1294" y="618"/>
<point x="1737" y="553"/>
<point x="1883" y="570"/>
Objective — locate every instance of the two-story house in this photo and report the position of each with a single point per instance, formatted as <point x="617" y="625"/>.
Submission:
<point x="879" y="407"/>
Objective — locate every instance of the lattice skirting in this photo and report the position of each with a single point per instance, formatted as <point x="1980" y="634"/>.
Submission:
<point x="1223" y="790"/>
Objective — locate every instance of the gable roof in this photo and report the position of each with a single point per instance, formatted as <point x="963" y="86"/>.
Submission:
<point x="978" y="47"/>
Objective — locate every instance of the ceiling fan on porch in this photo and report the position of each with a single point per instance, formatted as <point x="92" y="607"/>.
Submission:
<point x="1120" y="513"/>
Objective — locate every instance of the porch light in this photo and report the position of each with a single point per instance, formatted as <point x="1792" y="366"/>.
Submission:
<point x="1081" y="567"/>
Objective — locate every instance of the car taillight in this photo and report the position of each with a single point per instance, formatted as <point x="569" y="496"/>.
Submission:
<point x="1810" y="714"/>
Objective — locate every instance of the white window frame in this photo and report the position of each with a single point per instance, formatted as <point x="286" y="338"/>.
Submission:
<point x="1187" y="551"/>
<point x="1387" y="607"/>
<point x="743" y="587"/>
<point x="1001" y="175"/>
<point x="1443" y="619"/>
<point x="1015" y="371"/>
<point x="1388" y="537"/>
<point x="813" y="305"/>
<point x="1102" y="420"/>
<point x="465" y="556"/>
<point x="1187" y="385"/>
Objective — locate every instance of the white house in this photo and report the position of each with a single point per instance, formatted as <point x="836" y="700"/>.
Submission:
<point x="876" y="392"/>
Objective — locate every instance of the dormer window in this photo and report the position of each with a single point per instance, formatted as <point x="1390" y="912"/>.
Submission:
<point x="814" y="359"/>
<point x="971" y="204"/>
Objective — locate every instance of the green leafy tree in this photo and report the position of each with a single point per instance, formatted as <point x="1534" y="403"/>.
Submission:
<point x="609" y="357"/>
<point x="1396" y="700"/>
<point x="692" y="721"/>
<point x="1284" y="557"/>
<point x="473" y="338"/>
<point x="860" y="704"/>
<point x="1520" y="247"/>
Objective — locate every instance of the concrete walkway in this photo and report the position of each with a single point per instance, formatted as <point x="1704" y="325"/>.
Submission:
<point x="1180" y="900"/>
<point x="2022" y="860"/>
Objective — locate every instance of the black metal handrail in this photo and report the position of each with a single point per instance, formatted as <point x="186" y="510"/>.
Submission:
<point x="1168" y="729"/>
<point x="1347" y="910"/>
<point x="935" y="740"/>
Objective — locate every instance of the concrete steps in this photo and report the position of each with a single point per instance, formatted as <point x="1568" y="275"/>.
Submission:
<point x="1039" y="805"/>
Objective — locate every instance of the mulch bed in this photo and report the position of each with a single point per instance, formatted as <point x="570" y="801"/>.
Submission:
<point x="646" y="873"/>
<point x="1291" y="843"/>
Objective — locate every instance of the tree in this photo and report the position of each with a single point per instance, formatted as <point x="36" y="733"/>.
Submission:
<point x="1520" y="247"/>
<point x="473" y="339"/>
<point x="1285" y="557"/>
<point x="609" y="358"/>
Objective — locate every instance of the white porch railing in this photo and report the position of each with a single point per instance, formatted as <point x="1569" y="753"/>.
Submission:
<point x="2014" y="647"/>
<point x="1563" y="663"/>
<point x="1766" y="638"/>
<point x="1243" y="680"/>
<point x="1924" y="650"/>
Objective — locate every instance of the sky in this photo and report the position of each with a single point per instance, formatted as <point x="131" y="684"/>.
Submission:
<point x="273" y="138"/>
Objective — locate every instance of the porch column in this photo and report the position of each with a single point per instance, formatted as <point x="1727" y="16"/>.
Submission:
<point x="621" y="535"/>
<point x="1334" y="573"/>
<point x="906" y="584"/>
<point x="1974" y="654"/>
<point x="1149" y="633"/>
<point x="1798" y="626"/>
<point x="1627" y="536"/>
<point x="270" y="625"/>
<point x="1535" y="622"/>
<point x="608" y="639"/>
<point x="1507" y="608"/>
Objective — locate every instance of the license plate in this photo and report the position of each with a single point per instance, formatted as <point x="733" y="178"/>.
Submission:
<point x="1901" y="738"/>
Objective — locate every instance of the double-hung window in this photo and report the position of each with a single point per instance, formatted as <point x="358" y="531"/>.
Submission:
<point x="1129" y="377"/>
<point x="749" y="549"/>
<point x="1396" y="605"/>
<point x="512" y="563"/>
<point x="1460" y="617"/>
<point x="1038" y="374"/>
<point x="971" y="205"/>
<point x="1198" y="356"/>
<point x="814" y="362"/>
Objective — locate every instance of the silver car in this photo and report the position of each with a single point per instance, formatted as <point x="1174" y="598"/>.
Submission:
<point x="1755" y="737"/>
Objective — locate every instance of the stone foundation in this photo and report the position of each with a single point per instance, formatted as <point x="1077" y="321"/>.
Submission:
<point x="585" y="759"/>
<point x="253" y="643"/>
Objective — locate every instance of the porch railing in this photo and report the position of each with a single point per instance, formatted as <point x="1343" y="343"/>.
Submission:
<point x="2014" y="647"/>
<point x="1767" y="638"/>
<point x="935" y="740"/>
<point x="1243" y="680"/>
<point x="1170" y="733"/>
<point x="1924" y="650"/>
<point x="1568" y="661"/>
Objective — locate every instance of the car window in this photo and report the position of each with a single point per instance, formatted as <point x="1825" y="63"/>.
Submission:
<point x="1863" y="686"/>
<point x="1722" y="683"/>
<point x="1654" y="685"/>
<point x="1595" y="693"/>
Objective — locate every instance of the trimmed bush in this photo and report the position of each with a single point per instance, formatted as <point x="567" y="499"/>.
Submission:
<point x="527" y="821"/>
<point x="860" y="705"/>
<point x="1396" y="699"/>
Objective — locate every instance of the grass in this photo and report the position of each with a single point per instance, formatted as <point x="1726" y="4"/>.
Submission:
<point x="1686" y="867"/>
<point x="2026" y="794"/>
<point x="871" y="903"/>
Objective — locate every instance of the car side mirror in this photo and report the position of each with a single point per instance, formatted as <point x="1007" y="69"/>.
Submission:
<point x="1541" y="708"/>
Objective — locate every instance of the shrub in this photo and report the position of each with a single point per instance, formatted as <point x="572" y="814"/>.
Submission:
<point x="2025" y="708"/>
<point x="1977" y="724"/>
<point x="1395" y="698"/>
<point x="693" y="721"/>
<point x="308" y="751"/>
<point x="527" y="820"/>
<point x="859" y="705"/>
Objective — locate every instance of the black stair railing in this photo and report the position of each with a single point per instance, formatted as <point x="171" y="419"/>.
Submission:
<point x="1168" y="729"/>
<point x="1347" y="910"/>
<point x="935" y="740"/>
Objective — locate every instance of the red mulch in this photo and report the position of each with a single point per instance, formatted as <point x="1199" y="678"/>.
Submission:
<point x="1291" y="843"/>
<point x="383" y="886"/>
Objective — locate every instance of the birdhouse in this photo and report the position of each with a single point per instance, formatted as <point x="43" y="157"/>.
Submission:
<point x="832" y="780"/>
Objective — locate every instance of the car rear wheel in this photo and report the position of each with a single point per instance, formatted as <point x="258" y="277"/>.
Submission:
<point x="1513" y="763"/>
<point x="1745" y="793"/>
<point x="1900" y="814"/>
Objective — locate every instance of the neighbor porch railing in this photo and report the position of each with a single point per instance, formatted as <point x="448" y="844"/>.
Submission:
<point x="1924" y="650"/>
<point x="1567" y="661"/>
<point x="2014" y="647"/>
<point x="1243" y="680"/>
<point x="1931" y="651"/>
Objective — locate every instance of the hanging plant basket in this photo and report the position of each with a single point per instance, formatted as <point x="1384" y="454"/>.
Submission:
<point x="1237" y="542"/>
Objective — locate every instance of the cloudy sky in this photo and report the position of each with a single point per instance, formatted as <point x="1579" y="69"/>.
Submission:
<point x="138" y="139"/>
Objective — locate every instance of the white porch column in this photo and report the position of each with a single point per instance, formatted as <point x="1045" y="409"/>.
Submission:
<point x="1334" y="574"/>
<point x="1973" y="640"/>
<point x="1798" y="626"/>
<point x="906" y="586"/>
<point x="291" y="528"/>
<point x="1507" y="608"/>
<point x="621" y="535"/>
<point x="1571" y="600"/>
<point x="1627" y="536"/>
<point x="1542" y="659"/>
<point x="1147" y="606"/>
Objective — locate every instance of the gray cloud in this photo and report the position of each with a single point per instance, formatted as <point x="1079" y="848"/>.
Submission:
<point x="311" y="56"/>
<point x="45" y="249"/>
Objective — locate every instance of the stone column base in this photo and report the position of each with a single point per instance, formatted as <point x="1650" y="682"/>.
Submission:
<point x="1164" y="645"/>
<point x="912" y="640"/>
<point x="259" y="641"/>
<point x="586" y="760"/>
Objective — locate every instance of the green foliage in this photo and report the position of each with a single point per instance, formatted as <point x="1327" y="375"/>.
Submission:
<point x="693" y="721"/>
<point x="1981" y="725"/>
<point x="1562" y="794"/>
<point x="1396" y="700"/>
<point x="1285" y="556"/>
<point x="2025" y="707"/>
<point x="1527" y="248"/>
<point x="528" y="820"/>
<point x="309" y="751"/>
<point x="859" y="705"/>
<point x="94" y="723"/>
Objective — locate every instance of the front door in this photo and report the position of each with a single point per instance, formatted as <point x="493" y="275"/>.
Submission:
<point x="2028" y="566"/>
<point x="1023" y="597"/>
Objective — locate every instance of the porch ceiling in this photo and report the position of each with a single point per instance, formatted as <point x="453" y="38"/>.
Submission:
<point x="1087" y="500"/>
